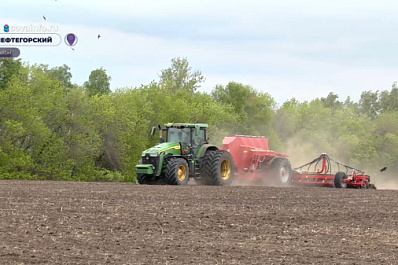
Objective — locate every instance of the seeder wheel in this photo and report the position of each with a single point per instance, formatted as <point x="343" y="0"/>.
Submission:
<point x="338" y="180"/>
<point x="281" y="171"/>
<point x="371" y="186"/>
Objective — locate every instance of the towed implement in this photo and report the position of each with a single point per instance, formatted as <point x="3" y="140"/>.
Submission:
<point x="254" y="161"/>
<point x="346" y="176"/>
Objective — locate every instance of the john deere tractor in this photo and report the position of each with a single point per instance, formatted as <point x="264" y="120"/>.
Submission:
<point x="184" y="154"/>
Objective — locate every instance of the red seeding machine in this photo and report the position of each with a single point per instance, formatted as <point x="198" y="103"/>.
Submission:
<point x="319" y="172"/>
<point x="254" y="161"/>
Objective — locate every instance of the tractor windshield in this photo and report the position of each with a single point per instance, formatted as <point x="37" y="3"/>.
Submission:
<point x="178" y="135"/>
<point x="199" y="139"/>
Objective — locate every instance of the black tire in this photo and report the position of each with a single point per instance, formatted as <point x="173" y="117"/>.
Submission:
<point x="371" y="186"/>
<point x="142" y="179"/>
<point x="221" y="168"/>
<point x="281" y="171"/>
<point x="177" y="171"/>
<point x="205" y="169"/>
<point x="338" y="180"/>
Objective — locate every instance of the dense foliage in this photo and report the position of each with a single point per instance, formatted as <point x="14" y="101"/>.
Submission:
<point x="53" y="129"/>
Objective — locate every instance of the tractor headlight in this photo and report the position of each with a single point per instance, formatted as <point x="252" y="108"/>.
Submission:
<point x="143" y="154"/>
<point x="153" y="154"/>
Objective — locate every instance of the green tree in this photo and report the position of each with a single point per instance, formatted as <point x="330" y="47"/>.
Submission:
<point x="389" y="100"/>
<point x="63" y="75"/>
<point x="8" y="69"/>
<point x="254" y="109"/>
<point x="332" y="102"/>
<point x="131" y="127"/>
<point x="25" y="134"/>
<point x="286" y="120"/>
<point x="98" y="83"/>
<point x="234" y="94"/>
<point x="179" y="76"/>
<point x="369" y="103"/>
<point x="82" y="134"/>
<point x="386" y="139"/>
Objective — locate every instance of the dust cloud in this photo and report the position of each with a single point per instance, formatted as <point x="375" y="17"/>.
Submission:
<point x="385" y="181"/>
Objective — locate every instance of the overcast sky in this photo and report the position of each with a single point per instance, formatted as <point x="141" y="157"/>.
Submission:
<point x="301" y="49"/>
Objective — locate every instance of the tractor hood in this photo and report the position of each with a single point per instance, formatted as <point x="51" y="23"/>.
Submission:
<point x="170" y="147"/>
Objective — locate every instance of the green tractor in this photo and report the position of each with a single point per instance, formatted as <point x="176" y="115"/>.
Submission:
<point x="183" y="155"/>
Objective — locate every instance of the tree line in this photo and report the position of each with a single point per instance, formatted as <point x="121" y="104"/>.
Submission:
<point x="53" y="129"/>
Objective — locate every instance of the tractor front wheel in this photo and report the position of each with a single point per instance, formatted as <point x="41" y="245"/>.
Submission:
<point x="221" y="168"/>
<point x="177" y="172"/>
<point x="339" y="180"/>
<point x="142" y="179"/>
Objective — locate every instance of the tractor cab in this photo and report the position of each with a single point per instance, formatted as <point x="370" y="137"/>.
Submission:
<point x="190" y="135"/>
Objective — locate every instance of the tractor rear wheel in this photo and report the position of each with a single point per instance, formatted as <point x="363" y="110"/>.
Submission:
<point x="338" y="180"/>
<point x="281" y="171"/>
<point x="177" y="172"/>
<point x="205" y="169"/>
<point x="221" y="168"/>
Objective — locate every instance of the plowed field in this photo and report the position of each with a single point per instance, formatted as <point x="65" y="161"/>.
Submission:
<point x="122" y="223"/>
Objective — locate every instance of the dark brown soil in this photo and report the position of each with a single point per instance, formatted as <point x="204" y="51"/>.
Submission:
<point x="122" y="223"/>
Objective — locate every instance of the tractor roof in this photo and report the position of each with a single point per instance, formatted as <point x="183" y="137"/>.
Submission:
<point x="186" y="125"/>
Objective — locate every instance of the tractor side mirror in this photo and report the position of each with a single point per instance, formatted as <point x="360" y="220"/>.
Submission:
<point x="197" y="130"/>
<point x="153" y="130"/>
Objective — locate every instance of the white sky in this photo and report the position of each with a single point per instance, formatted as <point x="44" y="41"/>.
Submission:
<point x="301" y="49"/>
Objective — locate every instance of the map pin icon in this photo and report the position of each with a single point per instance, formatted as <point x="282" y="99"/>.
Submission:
<point x="70" y="38"/>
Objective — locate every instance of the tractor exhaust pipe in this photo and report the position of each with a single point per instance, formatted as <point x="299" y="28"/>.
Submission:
<point x="161" y="140"/>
